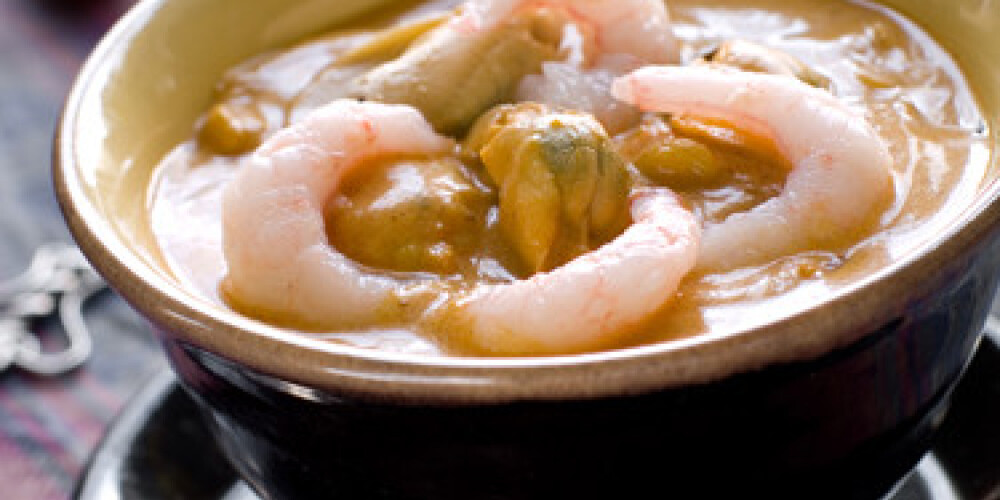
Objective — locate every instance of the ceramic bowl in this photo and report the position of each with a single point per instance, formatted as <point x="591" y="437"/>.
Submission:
<point x="839" y="400"/>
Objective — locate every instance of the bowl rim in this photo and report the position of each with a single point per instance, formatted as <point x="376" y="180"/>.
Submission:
<point x="836" y="321"/>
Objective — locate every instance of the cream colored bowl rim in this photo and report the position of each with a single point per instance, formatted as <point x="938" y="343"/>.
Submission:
<point x="306" y="363"/>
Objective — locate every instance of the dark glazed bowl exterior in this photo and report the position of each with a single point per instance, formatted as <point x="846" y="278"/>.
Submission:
<point x="794" y="430"/>
<point x="838" y="400"/>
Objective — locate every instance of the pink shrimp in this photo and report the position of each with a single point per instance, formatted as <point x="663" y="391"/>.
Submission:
<point x="840" y="166"/>
<point x="279" y="259"/>
<point x="637" y="28"/>
<point x="602" y="39"/>
<point x="592" y="301"/>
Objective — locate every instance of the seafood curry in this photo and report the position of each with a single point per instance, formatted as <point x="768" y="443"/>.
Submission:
<point x="505" y="177"/>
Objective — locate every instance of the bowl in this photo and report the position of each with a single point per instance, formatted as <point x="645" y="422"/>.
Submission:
<point x="839" y="400"/>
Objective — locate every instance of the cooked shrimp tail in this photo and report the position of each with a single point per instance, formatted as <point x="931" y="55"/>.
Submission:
<point x="840" y="166"/>
<point x="591" y="302"/>
<point x="477" y="59"/>
<point x="280" y="263"/>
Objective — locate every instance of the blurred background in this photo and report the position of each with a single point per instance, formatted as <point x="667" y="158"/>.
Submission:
<point x="50" y="425"/>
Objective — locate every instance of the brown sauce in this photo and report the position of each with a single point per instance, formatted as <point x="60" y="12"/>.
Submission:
<point x="909" y="88"/>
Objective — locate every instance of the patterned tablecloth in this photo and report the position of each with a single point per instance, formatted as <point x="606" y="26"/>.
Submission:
<point x="49" y="426"/>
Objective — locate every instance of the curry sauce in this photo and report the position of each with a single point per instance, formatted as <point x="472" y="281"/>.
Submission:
<point x="447" y="218"/>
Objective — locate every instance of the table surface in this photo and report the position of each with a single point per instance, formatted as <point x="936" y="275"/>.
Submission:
<point x="49" y="426"/>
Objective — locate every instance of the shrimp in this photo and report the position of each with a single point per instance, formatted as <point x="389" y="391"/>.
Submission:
<point x="604" y="39"/>
<point x="637" y="28"/>
<point x="593" y="300"/>
<point x="279" y="260"/>
<point x="840" y="166"/>
<point x="479" y="58"/>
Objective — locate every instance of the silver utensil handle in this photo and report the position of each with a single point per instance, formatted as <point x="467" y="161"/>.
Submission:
<point x="55" y="286"/>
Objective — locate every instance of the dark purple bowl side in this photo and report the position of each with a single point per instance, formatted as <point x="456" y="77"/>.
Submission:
<point x="849" y="424"/>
